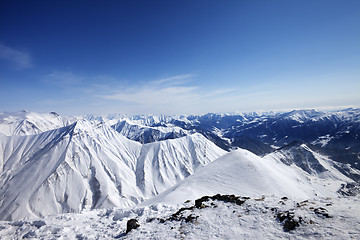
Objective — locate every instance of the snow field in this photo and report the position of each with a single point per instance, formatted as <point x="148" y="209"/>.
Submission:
<point x="254" y="219"/>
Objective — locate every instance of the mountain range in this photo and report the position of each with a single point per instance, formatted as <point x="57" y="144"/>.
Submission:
<point x="51" y="164"/>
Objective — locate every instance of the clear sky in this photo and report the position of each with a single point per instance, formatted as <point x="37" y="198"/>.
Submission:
<point x="173" y="57"/>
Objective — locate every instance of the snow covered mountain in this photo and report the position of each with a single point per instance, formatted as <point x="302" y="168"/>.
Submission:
<point x="87" y="165"/>
<point x="335" y="134"/>
<point x="241" y="172"/>
<point x="300" y="155"/>
<point x="146" y="134"/>
<point x="27" y="123"/>
<point x="122" y="167"/>
<point x="51" y="164"/>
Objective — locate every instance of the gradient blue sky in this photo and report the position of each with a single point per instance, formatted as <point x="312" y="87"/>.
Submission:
<point x="173" y="57"/>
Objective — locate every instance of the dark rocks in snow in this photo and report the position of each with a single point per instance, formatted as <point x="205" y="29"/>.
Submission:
<point x="178" y="215"/>
<point x="350" y="189"/>
<point x="322" y="212"/>
<point x="38" y="223"/>
<point x="290" y="224"/>
<point x="190" y="218"/>
<point x="223" y="198"/>
<point x="132" y="224"/>
<point x="80" y="237"/>
<point x="281" y="216"/>
<point x="19" y="223"/>
<point x="303" y="203"/>
<point x="30" y="234"/>
<point x="199" y="204"/>
<point x="288" y="218"/>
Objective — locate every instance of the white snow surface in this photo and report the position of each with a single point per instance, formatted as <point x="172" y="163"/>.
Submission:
<point x="86" y="165"/>
<point x="254" y="219"/>
<point x="241" y="172"/>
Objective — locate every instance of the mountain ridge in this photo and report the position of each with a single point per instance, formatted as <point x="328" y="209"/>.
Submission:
<point x="92" y="166"/>
<point x="95" y="166"/>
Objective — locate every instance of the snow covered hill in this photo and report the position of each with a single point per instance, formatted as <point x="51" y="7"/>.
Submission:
<point x="243" y="173"/>
<point x="87" y="165"/>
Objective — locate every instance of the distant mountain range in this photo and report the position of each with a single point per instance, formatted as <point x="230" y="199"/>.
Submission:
<point x="334" y="133"/>
<point x="51" y="164"/>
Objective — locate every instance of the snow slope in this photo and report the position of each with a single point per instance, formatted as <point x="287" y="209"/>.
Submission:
<point x="25" y="164"/>
<point x="241" y="173"/>
<point x="253" y="219"/>
<point x="163" y="164"/>
<point x="86" y="165"/>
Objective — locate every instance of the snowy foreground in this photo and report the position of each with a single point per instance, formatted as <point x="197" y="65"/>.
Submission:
<point x="331" y="218"/>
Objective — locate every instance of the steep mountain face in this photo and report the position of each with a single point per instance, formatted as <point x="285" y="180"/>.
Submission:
<point x="26" y="163"/>
<point x="300" y="155"/>
<point x="88" y="165"/>
<point x="163" y="164"/>
<point x="145" y="134"/>
<point x="313" y="163"/>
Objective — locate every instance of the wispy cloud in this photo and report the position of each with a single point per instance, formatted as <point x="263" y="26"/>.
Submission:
<point x="172" y="95"/>
<point x="20" y="59"/>
<point x="151" y="96"/>
<point x="164" y="91"/>
<point x="168" y="95"/>
<point x="174" y="79"/>
<point x="62" y="79"/>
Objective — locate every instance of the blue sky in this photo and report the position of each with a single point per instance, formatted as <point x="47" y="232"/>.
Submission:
<point x="174" y="57"/>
